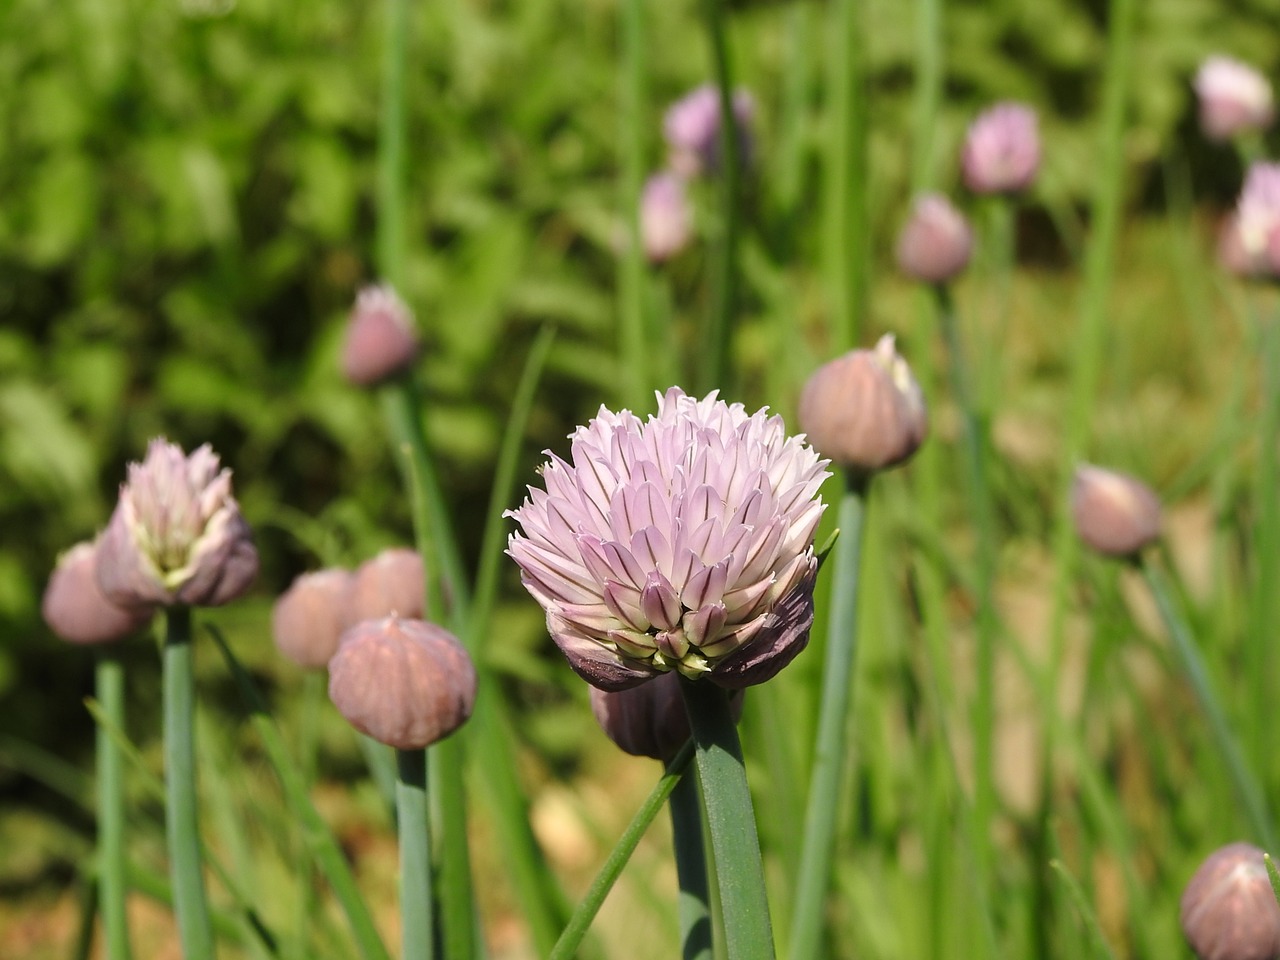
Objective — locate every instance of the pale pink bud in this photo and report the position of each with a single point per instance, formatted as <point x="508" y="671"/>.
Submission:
<point x="1251" y="244"/>
<point x="936" y="243"/>
<point x="406" y="683"/>
<point x="381" y="343"/>
<point x="666" y="221"/>
<point x="692" y="130"/>
<point x="177" y="536"/>
<point x="1002" y="149"/>
<point x="75" y="608"/>
<point x="308" y="618"/>
<point x="649" y="720"/>
<point x="1234" y="98"/>
<point x="1228" y="911"/>
<point x="1115" y="514"/>
<point x="391" y="584"/>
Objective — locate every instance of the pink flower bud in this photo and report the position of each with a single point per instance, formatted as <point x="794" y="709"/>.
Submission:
<point x="391" y="584"/>
<point x="1115" y="514"/>
<point x="692" y="130"/>
<point x="1250" y="245"/>
<point x="864" y="410"/>
<point x="381" y="343"/>
<point x="936" y="243"/>
<point x="1002" y="150"/>
<point x="176" y="536"/>
<point x="666" y="222"/>
<point x="308" y="618"/>
<point x="649" y="720"/>
<point x="406" y="683"/>
<point x="1234" y="98"/>
<point x="1228" y="911"/>
<point x="75" y="608"/>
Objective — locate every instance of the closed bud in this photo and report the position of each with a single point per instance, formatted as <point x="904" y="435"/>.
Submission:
<point x="666" y="222"/>
<point x="1233" y="97"/>
<point x="650" y="720"/>
<point x="177" y="536"/>
<point x="1115" y="514"/>
<point x="864" y="410"/>
<point x="76" y="609"/>
<point x="1250" y="246"/>
<point x="381" y="343"/>
<point x="308" y="618"/>
<point x="1002" y="150"/>
<point x="391" y="584"/>
<point x="692" y="130"/>
<point x="1228" y="911"/>
<point x="936" y="243"/>
<point x="406" y="683"/>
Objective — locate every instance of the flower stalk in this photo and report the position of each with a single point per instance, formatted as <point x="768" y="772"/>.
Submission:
<point x="694" y="903"/>
<point x="416" y="908"/>
<point x="112" y="882"/>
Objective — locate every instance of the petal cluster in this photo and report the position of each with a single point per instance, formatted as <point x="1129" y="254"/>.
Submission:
<point x="1233" y="97"/>
<point x="1002" y="149"/>
<point x="692" y="129"/>
<point x="1251" y="241"/>
<point x="681" y="543"/>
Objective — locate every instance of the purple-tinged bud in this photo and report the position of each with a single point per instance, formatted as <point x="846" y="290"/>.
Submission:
<point x="406" y="683"/>
<point x="177" y="536"/>
<point x="1228" y="911"/>
<point x="936" y="243"/>
<point x="1002" y="149"/>
<point x="381" y="343"/>
<point x="649" y="720"/>
<point x="1251" y="245"/>
<point x="308" y="619"/>
<point x="391" y="584"/>
<point x="1234" y="98"/>
<point x="666" y="222"/>
<point x="75" y="608"/>
<point x="692" y="129"/>
<point x="1115" y="514"/>
<point x="864" y="410"/>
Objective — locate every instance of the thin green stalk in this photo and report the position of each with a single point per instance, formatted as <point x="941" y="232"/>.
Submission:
<point x="82" y="947"/>
<point x="927" y="101"/>
<point x="1001" y="243"/>
<point x="719" y="330"/>
<point x="631" y="278"/>
<point x="566" y="948"/>
<point x="694" y="905"/>
<point x="313" y="695"/>
<point x="1247" y="790"/>
<point x="1087" y="914"/>
<point x="731" y="822"/>
<point x="391" y="146"/>
<point x="416" y="906"/>
<point x="457" y="902"/>
<point x="181" y="806"/>
<point x="1273" y="875"/>
<point x="113" y="885"/>
<point x="830" y="753"/>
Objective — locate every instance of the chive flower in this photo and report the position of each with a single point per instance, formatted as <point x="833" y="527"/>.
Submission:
<point x="1251" y="246"/>
<point x="936" y="243"/>
<point x="692" y="129"/>
<point x="649" y="720"/>
<point x="76" y="609"/>
<point x="1115" y="514"/>
<point x="684" y="542"/>
<point x="666" y="219"/>
<point x="381" y="343"/>
<point x="307" y="620"/>
<point x="1234" y="98"/>
<point x="1228" y="911"/>
<point x="1002" y="149"/>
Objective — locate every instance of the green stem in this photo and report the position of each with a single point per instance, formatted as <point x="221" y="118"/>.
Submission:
<point x="113" y="885"/>
<point x="927" y="100"/>
<point x="731" y="821"/>
<point x="1001" y="240"/>
<point x="830" y="749"/>
<point x="694" y="905"/>
<point x="416" y="906"/>
<point x="632" y="123"/>
<point x="448" y="790"/>
<point x="1259" y="657"/>
<point x="1246" y="787"/>
<point x="181" y="819"/>
<point x="566" y="948"/>
<point x="391" y="141"/>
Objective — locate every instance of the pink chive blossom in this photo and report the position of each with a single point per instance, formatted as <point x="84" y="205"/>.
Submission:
<point x="684" y="542"/>
<point x="1228" y="911"/>
<point x="936" y="243"/>
<point x="1251" y="243"/>
<point x="1234" y="98"/>
<point x="74" y="607"/>
<point x="666" y="221"/>
<point x="692" y="130"/>
<point x="1115" y="514"/>
<point x="1002" y="149"/>
<point x="381" y="343"/>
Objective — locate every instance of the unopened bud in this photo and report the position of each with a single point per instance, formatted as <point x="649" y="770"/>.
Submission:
<point x="666" y="222"/>
<point x="1228" y="911"/>
<point x="76" y="609"/>
<point x="936" y="243"/>
<point x="1234" y="98"/>
<point x="1002" y="150"/>
<point x="392" y="583"/>
<point x="650" y="720"/>
<point x="864" y="410"/>
<point x="692" y="130"/>
<point x="1115" y="514"/>
<point x="406" y="683"/>
<point x="308" y="618"/>
<point x="381" y="343"/>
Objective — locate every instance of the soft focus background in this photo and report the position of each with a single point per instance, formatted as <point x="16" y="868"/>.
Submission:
<point x="185" y="215"/>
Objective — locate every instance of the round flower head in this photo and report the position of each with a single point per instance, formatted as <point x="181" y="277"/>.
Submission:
<point x="1234" y="98"/>
<point x="176" y="536"/>
<point x="649" y="720"/>
<point x="681" y="543"/>
<point x="1115" y="514"/>
<point x="666" y="222"/>
<point x="1251" y="245"/>
<point x="75" y="608"/>
<point x="406" y="683"/>
<point x="392" y="583"/>
<point x="381" y="343"/>
<point x="1228" y="911"/>
<point x="936" y="243"/>
<point x="865" y="409"/>
<point x="308" y="618"/>
<point x="692" y="129"/>
<point x="1002" y="150"/>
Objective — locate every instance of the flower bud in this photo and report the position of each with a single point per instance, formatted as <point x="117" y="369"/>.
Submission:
<point x="75" y="608"/>
<point x="1250" y="246"/>
<point x="936" y="243"/>
<point x="692" y="130"/>
<point x="1002" y="150"/>
<point x="308" y="618"/>
<point x="406" y="683"/>
<point x="650" y="720"/>
<point x="1115" y="514"/>
<point x="864" y="410"/>
<point x="391" y="584"/>
<point x="176" y="536"/>
<point x="1228" y="911"/>
<point x="1234" y="98"/>
<point x="381" y="343"/>
<point x="666" y="223"/>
